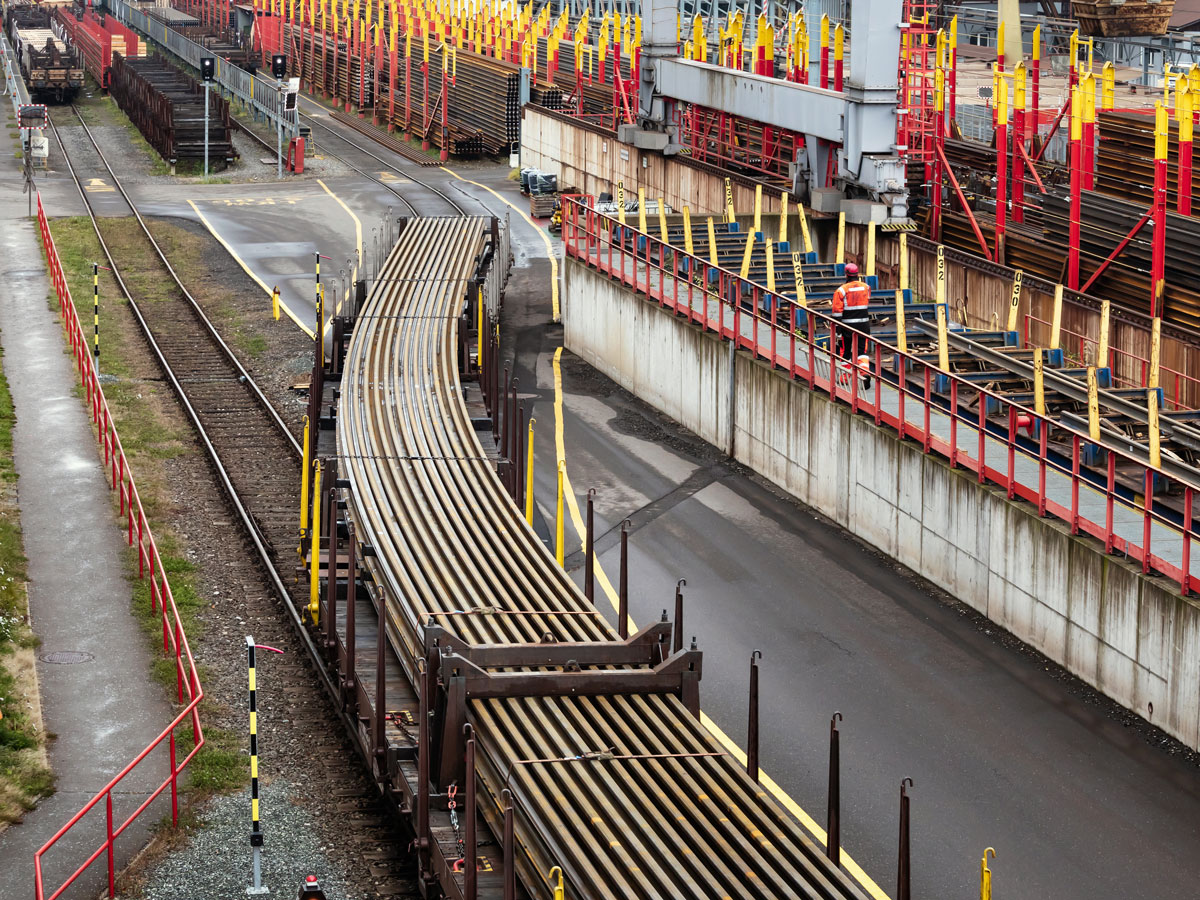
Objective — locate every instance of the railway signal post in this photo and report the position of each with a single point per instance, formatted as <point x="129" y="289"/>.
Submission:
<point x="278" y="70"/>
<point x="208" y="72"/>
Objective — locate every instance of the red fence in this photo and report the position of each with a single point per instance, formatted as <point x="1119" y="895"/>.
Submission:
<point x="1121" y="512"/>
<point x="162" y="603"/>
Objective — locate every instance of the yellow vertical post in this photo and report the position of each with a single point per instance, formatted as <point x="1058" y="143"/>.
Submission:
<point x="642" y="210"/>
<point x="1093" y="404"/>
<point x="770" y="266"/>
<point x="1102" y="344"/>
<point x="729" y="214"/>
<point x="559" y="524"/>
<point x="804" y="233"/>
<point x="1014" y="303"/>
<point x="746" y="254"/>
<point x="901" y="335"/>
<point x="985" y="876"/>
<point x="1108" y="85"/>
<point x="621" y="202"/>
<point x="529" y="474"/>
<point x="662" y="221"/>
<point x="903" y="261"/>
<point x="1152" y="423"/>
<point x="798" y="274"/>
<point x="1056" y="318"/>
<point x="314" y="583"/>
<point x="783" y="213"/>
<point x="712" y="242"/>
<point x="839" y="253"/>
<point x="304" y="467"/>
<point x="758" y="207"/>
<point x="1039" y="383"/>
<point x="275" y="303"/>
<point x="1155" y="351"/>
<point x="479" y="329"/>
<point x="943" y="347"/>
<point x="870" y="260"/>
<point x="687" y="230"/>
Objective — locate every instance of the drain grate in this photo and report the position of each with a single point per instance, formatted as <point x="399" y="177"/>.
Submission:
<point x="67" y="657"/>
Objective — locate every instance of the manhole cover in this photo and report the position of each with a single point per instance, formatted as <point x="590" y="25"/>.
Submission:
<point x="67" y="657"/>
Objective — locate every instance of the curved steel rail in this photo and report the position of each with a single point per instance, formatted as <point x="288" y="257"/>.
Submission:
<point x="628" y="792"/>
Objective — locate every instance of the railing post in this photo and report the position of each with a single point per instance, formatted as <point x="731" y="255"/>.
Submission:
<point x="1147" y="520"/>
<point x="108" y="818"/>
<point x="174" y="785"/>
<point x="1186" y="582"/>
<point x="623" y="583"/>
<point x="589" y="575"/>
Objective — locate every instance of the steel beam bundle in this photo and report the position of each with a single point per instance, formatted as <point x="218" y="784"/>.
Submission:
<point x="97" y="39"/>
<point x="531" y="699"/>
<point x="168" y="109"/>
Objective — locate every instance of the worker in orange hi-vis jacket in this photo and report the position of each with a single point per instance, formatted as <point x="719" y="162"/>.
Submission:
<point x="850" y="302"/>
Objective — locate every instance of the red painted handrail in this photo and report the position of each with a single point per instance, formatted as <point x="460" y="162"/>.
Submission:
<point x="162" y="602"/>
<point x="595" y="238"/>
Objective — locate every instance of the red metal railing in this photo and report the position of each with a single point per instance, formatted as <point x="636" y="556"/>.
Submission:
<point x="162" y="602"/>
<point x="1180" y="391"/>
<point x="985" y="443"/>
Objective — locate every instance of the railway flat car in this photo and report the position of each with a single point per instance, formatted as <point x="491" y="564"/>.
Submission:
<point x="53" y="70"/>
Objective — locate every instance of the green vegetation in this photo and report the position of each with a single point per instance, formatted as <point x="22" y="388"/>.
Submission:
<point x="148" y="440"/>
<point x="24" y="776"/>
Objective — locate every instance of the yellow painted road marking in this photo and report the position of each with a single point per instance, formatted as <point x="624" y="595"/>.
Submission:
<point x="357" y="240"/>
<point x="392" y="178"/>
<point x="97" y="186"/>
<point x="554" y="310"/>
<point x="245" y="268"/>
<point x="785" y="800"/>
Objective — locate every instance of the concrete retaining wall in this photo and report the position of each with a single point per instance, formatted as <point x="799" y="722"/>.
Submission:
<point x="1130" y="636"/>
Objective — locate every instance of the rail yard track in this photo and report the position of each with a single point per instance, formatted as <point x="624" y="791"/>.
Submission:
<point x="594" y="740"/>
<point x="239" y="430"/>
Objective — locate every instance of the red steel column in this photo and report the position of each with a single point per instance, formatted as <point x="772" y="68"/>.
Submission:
<point x="839" y="48"/>
<point x="1018" y="143"/>
<point x="1088" y="86"/>
<point x="1001" y="164"/>
<point x="939" y="100"/>
<point x="1183" y="193"/>
<point x="1076" y="142"/>
<point x="825" y="52"/>
<point x="1158" y="256"/>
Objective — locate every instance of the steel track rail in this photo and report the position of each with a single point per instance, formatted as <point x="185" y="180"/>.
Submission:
<point x="627" y="792"/>
<point x="248" y="522"/>
<point x="457" y="207"/>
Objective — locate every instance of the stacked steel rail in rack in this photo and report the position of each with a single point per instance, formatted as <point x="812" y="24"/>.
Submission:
<point x="168" y="108"/>
<point x="594" y="738"/>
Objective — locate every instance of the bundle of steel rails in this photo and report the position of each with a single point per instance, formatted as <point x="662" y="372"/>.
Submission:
<point x="167" y="106"/>
<point x="1125" y="159"/>
<point x="593" y="740"/>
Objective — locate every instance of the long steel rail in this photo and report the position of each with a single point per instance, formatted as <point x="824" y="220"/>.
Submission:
<point x="616" y="782"/>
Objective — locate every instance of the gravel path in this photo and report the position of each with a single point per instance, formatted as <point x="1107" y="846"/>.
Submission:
<point x="216" y="861"/>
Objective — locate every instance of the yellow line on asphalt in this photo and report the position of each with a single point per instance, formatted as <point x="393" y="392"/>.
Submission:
<point x="357" y="237"/>
<point x="245" y="268"/>
<point x="554" y="307"/>
<point x="729" y="744"/>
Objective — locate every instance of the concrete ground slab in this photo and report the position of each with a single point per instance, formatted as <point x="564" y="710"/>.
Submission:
<point x="104" y="710"/>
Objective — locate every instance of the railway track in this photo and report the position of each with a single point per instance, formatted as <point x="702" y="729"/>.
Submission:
<point x="257" y="464"/>
<point x="595" y="739"/>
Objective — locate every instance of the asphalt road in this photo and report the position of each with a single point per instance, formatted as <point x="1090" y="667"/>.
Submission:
<point x="1004" y="749"/>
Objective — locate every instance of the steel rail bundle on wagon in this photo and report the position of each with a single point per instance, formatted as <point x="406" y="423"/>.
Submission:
<point x="595" y="741"/>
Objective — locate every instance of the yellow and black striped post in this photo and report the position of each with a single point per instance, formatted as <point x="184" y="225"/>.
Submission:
<point x="320" y="302"/>
<point x="96" y="309"/>
<point x="256" y="834"/>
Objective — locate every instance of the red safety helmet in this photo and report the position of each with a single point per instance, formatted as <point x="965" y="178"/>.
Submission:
<point x="851" y="269"/>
